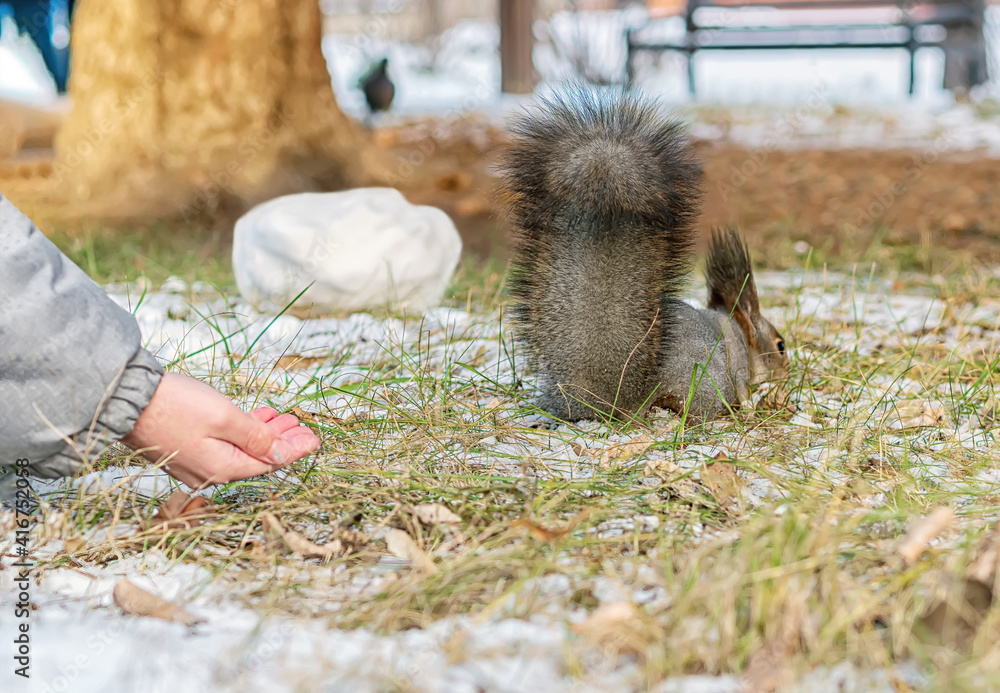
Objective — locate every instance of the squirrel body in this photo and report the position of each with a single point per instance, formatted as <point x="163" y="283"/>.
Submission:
<point x="604" y="193"/>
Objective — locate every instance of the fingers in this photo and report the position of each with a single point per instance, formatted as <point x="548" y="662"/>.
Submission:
<point x="303" y="441"/>
<point x="280" y="441"/>
<point x="302" y="438"/>
<point x="264" y="414"/>
<point x="230" y="463"/>
<point x="211" y="440"/>
<point x="283" y="423"/>
<point x="237" y="465"/>
<point x="254" y="438"/>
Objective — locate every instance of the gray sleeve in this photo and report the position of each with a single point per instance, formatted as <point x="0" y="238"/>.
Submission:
<point x="73" y="376"/>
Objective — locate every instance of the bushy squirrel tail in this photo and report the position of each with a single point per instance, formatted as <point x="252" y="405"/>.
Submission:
<point x="603" y="192"/>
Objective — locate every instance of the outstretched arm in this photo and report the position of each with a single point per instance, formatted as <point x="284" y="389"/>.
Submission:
<point x="74" y="379"/>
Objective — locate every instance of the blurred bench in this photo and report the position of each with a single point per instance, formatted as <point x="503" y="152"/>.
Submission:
<point x="954" y="25"/>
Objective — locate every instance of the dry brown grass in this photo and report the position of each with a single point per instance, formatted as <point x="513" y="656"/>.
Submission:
<point x="780" y="555"/>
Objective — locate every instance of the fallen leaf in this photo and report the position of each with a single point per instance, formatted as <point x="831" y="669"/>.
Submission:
<point x="677" y="480"/>
<point x="134" y="600"/>
<point x="617" y="626"/>
<point x="984" y="566"/>
<point x="295" y="362"/>
<point x="768" y="669"/>
<point x="303" y="415"/>
<point x="955" y="613"/>
<point x="312" y="417"/>
<point x="922" y="532"/>
<point x="173" y="507"/>
<point x="664" y="468"/>
<point x="958" y="606"/>
<point x="182" y="510"/>
<point x="625" y="451"/>
<point x="916" y="414"/>
<point x="296" y="543"/>
<point x="75" y="544"/>
<point x="435" y="514"/>
<point x="352" y="540"/>
<point x="536" y="530"/>
<point x="724" y="483"/>
<point x="258" y="549"/>
<point x="773" y="396"/>
<point x="606" y="615"/>
<point x="401" y="545"/>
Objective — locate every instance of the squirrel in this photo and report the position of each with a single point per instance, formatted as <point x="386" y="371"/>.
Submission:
<point x="603" y="193"/>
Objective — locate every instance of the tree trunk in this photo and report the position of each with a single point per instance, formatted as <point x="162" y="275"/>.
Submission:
<point x="517" y="70"/>
<point x="188" y="105"/>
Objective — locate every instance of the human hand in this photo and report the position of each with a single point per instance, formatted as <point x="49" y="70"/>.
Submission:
<point x="211" y="440"/>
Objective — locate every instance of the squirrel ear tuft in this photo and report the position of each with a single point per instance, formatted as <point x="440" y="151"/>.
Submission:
<point x="730" y="275"/>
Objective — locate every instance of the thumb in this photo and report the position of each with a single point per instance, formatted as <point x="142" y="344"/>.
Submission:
<point x="257" y="440"/>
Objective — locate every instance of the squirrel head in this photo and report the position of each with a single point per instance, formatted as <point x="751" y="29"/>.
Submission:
<point x="731" y="290"/>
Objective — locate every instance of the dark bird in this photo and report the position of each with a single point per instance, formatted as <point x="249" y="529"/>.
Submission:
<point x="378" y="88"/>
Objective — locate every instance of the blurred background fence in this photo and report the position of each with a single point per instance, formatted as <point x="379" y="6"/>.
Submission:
<point x="588" y="39"/>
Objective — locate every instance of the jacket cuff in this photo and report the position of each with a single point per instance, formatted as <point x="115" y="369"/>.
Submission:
<point x="134" y="391"/>
<point x="116" y="420"/>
